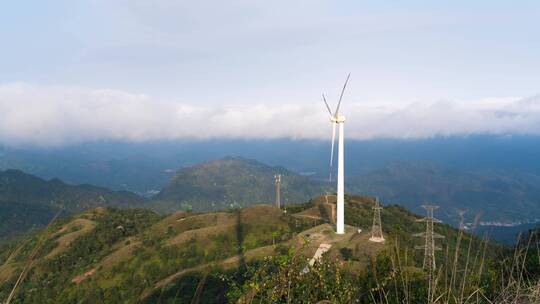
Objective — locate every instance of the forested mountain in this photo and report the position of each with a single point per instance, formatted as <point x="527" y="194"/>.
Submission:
<point x="27" y="200"/>
<point x="233" y="181"/>
<point x="136" y="256"/>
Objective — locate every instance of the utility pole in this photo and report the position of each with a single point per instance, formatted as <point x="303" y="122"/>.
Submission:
<point x="278" y="190"/>
<point x="461" y="214"/>
<point x="430" y="236"/>
<point x="376" y="229"/>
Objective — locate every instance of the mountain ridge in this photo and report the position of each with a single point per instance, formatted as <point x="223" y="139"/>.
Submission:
<point x="27" y="201"/>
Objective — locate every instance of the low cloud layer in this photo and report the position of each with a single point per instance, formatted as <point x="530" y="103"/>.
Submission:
<point x="57" y="115"/>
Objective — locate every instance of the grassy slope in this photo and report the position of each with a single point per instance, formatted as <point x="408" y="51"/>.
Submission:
<point x="126" y="255"/>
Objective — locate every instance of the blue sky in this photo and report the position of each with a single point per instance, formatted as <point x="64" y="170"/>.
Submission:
<point x="247" y="55"/>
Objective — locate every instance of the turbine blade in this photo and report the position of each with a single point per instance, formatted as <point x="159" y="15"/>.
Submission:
<point x="341" y="96"/>
<point x="327" y="106"/>
<point x="332" y="149"/>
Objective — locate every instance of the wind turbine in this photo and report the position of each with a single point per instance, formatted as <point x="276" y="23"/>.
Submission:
<point x="337" y="119"/>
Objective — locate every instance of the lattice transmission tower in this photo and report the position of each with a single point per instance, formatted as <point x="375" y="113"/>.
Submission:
<point x="376" y="229"/>
<point x="429" y="236"/>
<point x="277" y="178"/>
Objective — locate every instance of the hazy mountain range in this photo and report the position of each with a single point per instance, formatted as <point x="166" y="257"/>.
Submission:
<point x="148" y="166"/>
<point x="495" y="177"/>
<point x="493" y="195"/>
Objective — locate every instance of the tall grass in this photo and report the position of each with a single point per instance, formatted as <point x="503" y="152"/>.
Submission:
<point x="465" y="275"/>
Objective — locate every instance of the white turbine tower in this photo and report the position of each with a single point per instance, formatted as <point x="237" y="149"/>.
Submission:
<point x="338" y="119"/>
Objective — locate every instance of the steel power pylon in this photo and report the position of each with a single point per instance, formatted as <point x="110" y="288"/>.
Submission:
<point x="430" y="236"/>
<point x="376" y="229"/>
<point x="278" y="190"/>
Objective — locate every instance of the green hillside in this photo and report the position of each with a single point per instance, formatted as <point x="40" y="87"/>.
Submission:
<point x="232" y="181"/>
<point x="27" y="201"/>
<point x="133" y="256"/>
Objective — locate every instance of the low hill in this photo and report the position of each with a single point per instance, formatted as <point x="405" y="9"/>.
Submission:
<point x="232" y="181"/>
<point x="27" y="201"/>
<point x="131" y="256"/>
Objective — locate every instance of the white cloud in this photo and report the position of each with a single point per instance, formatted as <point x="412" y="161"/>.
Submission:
<point x="55" y="115"/>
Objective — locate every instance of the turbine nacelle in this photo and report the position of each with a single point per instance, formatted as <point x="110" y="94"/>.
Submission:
<point x="337" y="119"/>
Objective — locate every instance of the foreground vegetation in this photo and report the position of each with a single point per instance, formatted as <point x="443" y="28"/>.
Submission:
<point x="260" y="255"/>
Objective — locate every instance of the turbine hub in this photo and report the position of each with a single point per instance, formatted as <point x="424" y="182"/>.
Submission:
<point x="337" y="119"/>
